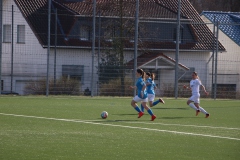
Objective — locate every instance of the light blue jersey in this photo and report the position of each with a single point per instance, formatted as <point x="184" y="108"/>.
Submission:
<point x="150" y="86"/>
<point x="140" y="83"/>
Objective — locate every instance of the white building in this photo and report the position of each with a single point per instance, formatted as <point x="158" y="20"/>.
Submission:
<point x="228" y="71"/>
<point x="73" y="49"/>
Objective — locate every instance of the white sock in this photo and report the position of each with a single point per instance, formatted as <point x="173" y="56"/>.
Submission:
<point x="193" y="106"/>
<point x="202" y="110"/>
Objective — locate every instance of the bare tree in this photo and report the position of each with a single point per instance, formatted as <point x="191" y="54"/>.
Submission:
<point x="216" y="5"/>
<point x="117" y="31"/>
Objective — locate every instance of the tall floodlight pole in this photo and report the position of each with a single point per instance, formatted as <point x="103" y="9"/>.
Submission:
<point x="93" y="43"/>
<point x="48" y="49"/>
<point x="1" y="13"/>
<point x="136" y="43"/>
<point x="177" y="49"/>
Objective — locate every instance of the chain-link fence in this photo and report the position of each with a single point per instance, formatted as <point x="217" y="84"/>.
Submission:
<point x="207" y="45"/>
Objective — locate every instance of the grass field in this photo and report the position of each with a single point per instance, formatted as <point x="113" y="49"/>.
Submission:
<point x="65" y="127"/>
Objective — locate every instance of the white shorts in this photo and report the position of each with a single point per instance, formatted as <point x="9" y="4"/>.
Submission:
<point x="195" y="98"/>
<point x="137" y="99"/>
<point x="151" y="97"/>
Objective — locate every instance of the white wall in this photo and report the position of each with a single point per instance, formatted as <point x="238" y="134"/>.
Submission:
<point x="30" y="59"/>
<point x="229" y="61"/>
<point x="197" y="60"/>
<point x="26" y="57"/>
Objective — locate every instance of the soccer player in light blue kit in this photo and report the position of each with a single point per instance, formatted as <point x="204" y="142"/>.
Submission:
<point x="142" y="95"/>
<point x="151" y="86"/>
<point x="195" y="83"/>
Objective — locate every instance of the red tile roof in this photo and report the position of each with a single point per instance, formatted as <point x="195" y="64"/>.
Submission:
<point x="205" y="36"/>
<point x="35" y="13"/>
<point x="147" y="9"/>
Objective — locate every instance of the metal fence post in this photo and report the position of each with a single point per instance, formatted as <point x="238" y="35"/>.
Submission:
<point x="55" y="51"/>
<point x="48" y="50"/>
<point x="99" y="45"/>
<point x="1" y="16"/>
<point x="12" y="50"/>
<point x="216" y="60"/>
<point x="213" y="56"/>
<point x="93" y="43"/>
<point x="135" y="45"/>
<point x="177" y="49"/>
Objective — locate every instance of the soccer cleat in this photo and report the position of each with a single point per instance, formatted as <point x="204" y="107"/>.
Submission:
<point x="153" y="117"/>
<point x="207" y="115"/>
<point x="140" y="114"/>
<point x="197" y="112"/>
<point x="161" y="100"/>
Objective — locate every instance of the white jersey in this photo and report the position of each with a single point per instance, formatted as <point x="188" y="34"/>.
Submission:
<point x="194" y="84"/>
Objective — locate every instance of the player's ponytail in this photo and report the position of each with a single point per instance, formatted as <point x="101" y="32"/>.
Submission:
<point x="142" y="73"/>
<point x="151" y="75"/>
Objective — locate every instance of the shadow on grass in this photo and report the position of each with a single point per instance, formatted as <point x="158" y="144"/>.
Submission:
<point x="126" y="114"/>
<point x="117" y="120"/>
<point x="175" y="117"/>
<point x="171" y="108"/>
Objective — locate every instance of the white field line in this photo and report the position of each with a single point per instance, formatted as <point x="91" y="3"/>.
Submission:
<point x="122" y="126"/>
<point x="165" y="124"/>
<point x="182" y="125"/>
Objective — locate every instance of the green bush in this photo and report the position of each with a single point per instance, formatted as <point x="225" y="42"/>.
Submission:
<point x="113" y="88"/>
<point x="63" y="86"/>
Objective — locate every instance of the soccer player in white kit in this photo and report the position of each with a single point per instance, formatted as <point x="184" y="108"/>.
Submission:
<point x="194" y="100"/>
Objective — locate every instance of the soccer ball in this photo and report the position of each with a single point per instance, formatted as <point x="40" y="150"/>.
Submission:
<point x="104" y="115"/>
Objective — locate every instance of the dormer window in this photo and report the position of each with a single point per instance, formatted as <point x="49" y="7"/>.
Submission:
<point x="110" y="33"/>
<point x="84" y="34"/>
<point x="175" y="35"/>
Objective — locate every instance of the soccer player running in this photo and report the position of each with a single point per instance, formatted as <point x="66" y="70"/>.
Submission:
<point x="151" y="86"/>
<point x="142" y="95"/>
<point x="195" y="83"/>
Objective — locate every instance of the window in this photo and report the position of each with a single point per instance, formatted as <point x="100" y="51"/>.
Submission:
<point x="180" y="35"/>
<point x="21" y="34"/>
<point x="73" y="71"/>
<point x="7" y="33"/>
<point x="131" y="34"/>
<point x="110" y="33"/>
<point x="84" y="33"/>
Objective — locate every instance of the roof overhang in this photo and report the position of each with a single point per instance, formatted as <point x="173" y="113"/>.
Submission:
<point x="141" y="19"/>
<point x="156" y="61"/>
<point x="131" y="49"/>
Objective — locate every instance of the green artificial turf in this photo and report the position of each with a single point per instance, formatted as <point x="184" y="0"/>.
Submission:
<point x="70" y="127"/>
